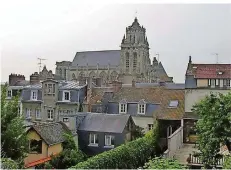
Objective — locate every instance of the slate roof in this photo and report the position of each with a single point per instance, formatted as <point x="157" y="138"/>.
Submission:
<point x="167" y="85"/>
<point x="100" y="122"/>
<point x="94" y="57"/>
<point x="131" y="94"/>
<point x="51" y="133"/>
<point x="167" y="113"/>
<point x="211" y="71"/>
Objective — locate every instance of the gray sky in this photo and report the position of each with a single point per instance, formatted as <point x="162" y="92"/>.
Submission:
<point x="56" y="30"/>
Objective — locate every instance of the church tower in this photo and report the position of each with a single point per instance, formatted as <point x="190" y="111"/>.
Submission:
<point x="134" y="57"/>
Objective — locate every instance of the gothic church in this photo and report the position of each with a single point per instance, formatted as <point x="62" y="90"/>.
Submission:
<point x="131" y="63"/>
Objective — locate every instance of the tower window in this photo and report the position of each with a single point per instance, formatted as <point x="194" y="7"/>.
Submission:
<point x="127" y="60"/>
<point x="135" y="61"/>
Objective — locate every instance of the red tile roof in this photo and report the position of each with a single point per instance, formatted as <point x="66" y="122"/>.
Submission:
<point x="211" y="71"/>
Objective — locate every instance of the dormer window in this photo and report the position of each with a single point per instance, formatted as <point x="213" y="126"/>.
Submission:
<point x="219" y="72"/>
<point x="173" y="104"/>
<point x="141" y="107"/>
<point x="66" y="95"/>
<point x="123" y="106"/>
<point x="34" y="95"/>
<point x="9" y="93"/>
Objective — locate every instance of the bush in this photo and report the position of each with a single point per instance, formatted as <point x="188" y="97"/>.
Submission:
<point x="7" y="163"/>
<point x="163" y="163"/>
<point x="227" y="163"/>
<point x="127" y="156"/>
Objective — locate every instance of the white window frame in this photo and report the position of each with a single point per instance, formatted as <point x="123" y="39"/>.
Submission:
<point x="150" y="125"/>
<point x="221" y="83"/>
<point x="37" y="113"/>
<point x="50" y="114"/>
<point x="106" y="144"/>
<point x="8" y="94"/>
<point x="217" y="82"/>
<point x="36" y="95"/>
<point x="65" y="91"/>
<point x="28" y="113"/>
<point x="141" y="108"/>
<point x="123" y="108"/>
<point x="213" y="83"/>
<point x="95" y="136"/>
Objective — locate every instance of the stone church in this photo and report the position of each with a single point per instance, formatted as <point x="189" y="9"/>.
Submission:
<point x="131" y="63"/>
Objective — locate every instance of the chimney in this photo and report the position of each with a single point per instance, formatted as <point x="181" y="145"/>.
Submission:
<point x="116" y="85"/>
<point x="13" y="78"/>
<point x="34" y="78"/>
<point x="133" y="83"/>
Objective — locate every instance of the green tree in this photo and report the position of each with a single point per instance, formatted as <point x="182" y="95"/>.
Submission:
<point x="213" y="127"/>
<point x="14" y="142"/>
<point x="7" y="163"/>
<point x="227" y="163"/>
<point x="163" y="163"/>
<point x="137" y="132"/>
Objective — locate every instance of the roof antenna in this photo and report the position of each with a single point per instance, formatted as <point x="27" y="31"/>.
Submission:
<point x="40" y="63"/>
<point x="216" y="57"/>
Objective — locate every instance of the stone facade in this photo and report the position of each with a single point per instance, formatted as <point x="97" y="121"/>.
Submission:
<point x="130" y="63"/>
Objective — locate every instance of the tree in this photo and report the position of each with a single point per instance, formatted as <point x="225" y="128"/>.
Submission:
<point x="163" y="163"/>
<point x="137" y="132"/>
<point x="213" y="127"/>
<point x="14" y="142"/>
<point x="70" y="155"/>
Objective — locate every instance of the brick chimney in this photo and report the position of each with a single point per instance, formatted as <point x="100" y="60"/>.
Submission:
<point x="13" y="78"/>
<point x="34" y="78"/>
<point x="116" y="85"/>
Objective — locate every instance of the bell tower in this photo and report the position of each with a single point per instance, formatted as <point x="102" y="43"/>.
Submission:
<point x="134" y="57"/>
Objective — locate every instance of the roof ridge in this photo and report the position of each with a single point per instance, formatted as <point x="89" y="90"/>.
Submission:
<point x="96" y="51"/>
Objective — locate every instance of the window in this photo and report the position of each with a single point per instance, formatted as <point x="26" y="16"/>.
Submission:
<point x="150" y="126"/>
<point x="50" y="114"/>
<point x="228" y="83"/>
<point x="28" y="113"/>
<point x="34" y="95"/>
<point x="212" y="82"/>
<point x="141" y="108"/>
<point x="134" y="61"/>
<point x="93" y="139"/>
<point x="123" y="108"/>
<point x="217" y="82"/>
<point x="221" y="83"/>
<point x="37" y="114"/>
<point x="9" y="93"/>
<point x="66" y="96"/>
<point x="209" y="82"/>
<point x="35" y="146"/>
<point x="173" y="103"/>
<point x="109" y="140"/>
<point x="65" y="119"/>
<point x="127" y="60"/>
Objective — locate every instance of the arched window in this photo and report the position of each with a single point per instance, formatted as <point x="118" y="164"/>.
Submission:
<point x="127" y="61"/>
<point x="134" y="60"/>
<point x="73" y="76"/>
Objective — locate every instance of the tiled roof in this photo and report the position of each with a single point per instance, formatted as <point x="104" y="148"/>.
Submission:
<point x="211" y="70"/>
<point x="93" y="57"/>
<point x="100" y="122"/>
<point x="51" y="133"/>
<point x="167" y="113"/>
<point x="131" y="94"/>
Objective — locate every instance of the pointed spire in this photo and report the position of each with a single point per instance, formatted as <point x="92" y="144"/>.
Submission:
<point x="190" y="59"/>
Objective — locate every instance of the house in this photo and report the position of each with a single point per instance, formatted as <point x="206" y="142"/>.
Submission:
<point x="201" y="80"/>
<point x="99" y="132"/>
<point x="45" y="139"/>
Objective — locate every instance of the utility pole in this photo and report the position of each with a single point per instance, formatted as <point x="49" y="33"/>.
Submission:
<point x="40" y="63"/>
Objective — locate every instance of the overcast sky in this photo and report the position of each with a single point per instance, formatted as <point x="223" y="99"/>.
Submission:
<point x="56" y="30"/>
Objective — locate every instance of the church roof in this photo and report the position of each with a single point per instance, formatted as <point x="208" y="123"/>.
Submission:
<point x="93" y="57"/>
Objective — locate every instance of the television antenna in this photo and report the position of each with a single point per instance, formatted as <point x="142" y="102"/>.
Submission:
<point x="40" y="63"/>
<point x="216" y="57"/>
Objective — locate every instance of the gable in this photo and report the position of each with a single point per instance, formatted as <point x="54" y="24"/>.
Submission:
<point x="32" y="134"/>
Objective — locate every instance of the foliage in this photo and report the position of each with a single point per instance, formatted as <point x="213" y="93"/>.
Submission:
<point x="7" y="163"/>
<point x="213" y="127"/>
<point x="127" y="156"/>
<point x="14" y="142"/>
<point x="70" y="155"/>
<point x="163" y="163"/>
<point x="138" y="132"/>
<point x="227" y="163"/>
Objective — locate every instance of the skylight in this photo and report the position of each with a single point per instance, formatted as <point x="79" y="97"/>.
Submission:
<point x="173" y="103"/>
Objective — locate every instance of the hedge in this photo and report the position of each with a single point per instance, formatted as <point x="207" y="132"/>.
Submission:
<point x="127" y="156"/>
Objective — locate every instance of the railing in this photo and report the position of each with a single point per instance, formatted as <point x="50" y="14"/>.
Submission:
<point x="195" y="160"/>
<point x="174" y="143"/>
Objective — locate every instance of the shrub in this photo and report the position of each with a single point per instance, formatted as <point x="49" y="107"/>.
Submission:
<point x="163" y="163"/>
<point x="7" y="163"/>
<point x="127" y="156"/>
<point x="227" y="163"/>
